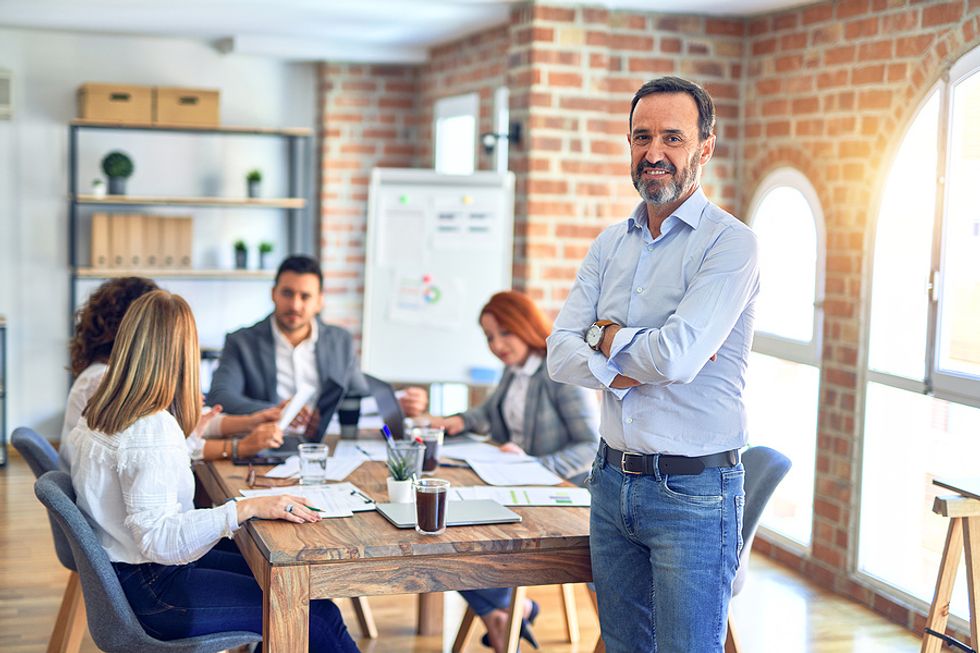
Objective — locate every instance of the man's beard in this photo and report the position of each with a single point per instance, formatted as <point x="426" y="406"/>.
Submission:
<point x="671" y="188"/>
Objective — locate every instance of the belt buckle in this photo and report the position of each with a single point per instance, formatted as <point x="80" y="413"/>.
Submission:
<point x="622" y="464"/>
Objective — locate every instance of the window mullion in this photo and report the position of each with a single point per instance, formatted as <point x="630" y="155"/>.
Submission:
<point x="942" y="151"/>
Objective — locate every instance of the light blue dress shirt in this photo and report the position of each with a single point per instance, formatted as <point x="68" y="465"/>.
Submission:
<point x="681" y="297"/>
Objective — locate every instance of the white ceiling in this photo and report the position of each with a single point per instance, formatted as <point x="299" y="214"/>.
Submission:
<point x="309" y="30"/>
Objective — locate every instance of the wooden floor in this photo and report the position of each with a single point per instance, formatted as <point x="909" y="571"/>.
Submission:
<point x="777" y="613"/>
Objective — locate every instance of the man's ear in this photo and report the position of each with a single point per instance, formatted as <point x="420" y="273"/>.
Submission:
<point x="707" y="149"/>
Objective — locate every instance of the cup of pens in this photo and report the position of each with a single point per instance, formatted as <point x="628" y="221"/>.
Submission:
<point x="404" y="465"/>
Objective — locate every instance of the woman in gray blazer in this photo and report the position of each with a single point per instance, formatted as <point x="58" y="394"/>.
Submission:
<point x="529" y="413"/>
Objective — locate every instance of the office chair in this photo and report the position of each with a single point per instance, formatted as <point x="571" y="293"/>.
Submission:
<point x="111" y="620"/>
<point x="764" y="469"/>
<point x="69" y="627"/>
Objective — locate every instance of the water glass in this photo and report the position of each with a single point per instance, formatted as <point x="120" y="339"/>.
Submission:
<point x="312" y="464"/>
<point x="405" y="459"/>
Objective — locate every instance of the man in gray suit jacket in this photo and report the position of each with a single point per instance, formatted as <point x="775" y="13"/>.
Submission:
<point x="265" y="363"/>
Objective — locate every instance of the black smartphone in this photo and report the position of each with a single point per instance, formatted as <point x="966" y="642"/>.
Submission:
<point x="256" y="460"/>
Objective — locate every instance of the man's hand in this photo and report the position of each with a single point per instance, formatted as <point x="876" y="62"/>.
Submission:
<point x="605" y="346"/>
<point x="510" y="447"/>
<point x="265" y="436"/>
<point x="413" y="401"/>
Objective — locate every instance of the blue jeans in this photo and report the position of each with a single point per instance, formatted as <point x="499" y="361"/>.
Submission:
<point x="484" y="601"/>
<point x="664" y="554"/>
<point x="213" y="594"/>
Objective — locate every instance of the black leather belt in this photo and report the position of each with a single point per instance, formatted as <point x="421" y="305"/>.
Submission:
<point x="641" y="463"/>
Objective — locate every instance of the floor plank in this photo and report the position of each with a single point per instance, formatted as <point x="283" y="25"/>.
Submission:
<point x="777" y="613"/>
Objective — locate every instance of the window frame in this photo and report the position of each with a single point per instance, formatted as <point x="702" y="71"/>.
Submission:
<point x="808" y="353"/>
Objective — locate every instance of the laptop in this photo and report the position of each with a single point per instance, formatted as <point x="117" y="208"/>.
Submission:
<point x="389" y="409"/>
<point x="458" y="513"/>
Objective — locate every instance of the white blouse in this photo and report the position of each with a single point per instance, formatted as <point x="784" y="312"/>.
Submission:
<point x="137" y="489"/>
<point x="82" y="390"/>
<point x="515" y="401"/>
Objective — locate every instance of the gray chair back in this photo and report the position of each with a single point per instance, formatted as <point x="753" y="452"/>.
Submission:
<point x="41" y="457"/>
<point x="764" y="469"/>
<point x="111" y="621"/>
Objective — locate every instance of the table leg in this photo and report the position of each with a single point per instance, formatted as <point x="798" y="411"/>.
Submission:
<point x="971" y="544"/>
<point x="939" y="611"/>
<point x="430" y="614"/>
<point x="514" y="619"/>
<point x="286" y="610"/>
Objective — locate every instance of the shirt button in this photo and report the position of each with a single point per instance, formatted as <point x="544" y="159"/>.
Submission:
<point x="639" y="290"/>
<point x="649" y="248"/>
<point x="629" y="420"/>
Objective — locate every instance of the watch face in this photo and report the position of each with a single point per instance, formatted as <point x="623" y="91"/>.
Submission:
<point x="593" y="336"/>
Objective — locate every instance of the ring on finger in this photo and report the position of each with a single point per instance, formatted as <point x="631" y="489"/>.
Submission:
<point x="289" y="507"/>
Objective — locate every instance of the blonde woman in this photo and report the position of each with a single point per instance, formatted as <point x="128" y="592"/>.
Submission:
<point x="130" y="468"/>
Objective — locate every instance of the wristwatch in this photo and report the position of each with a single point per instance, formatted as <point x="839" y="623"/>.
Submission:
<point x="593" y="337"/>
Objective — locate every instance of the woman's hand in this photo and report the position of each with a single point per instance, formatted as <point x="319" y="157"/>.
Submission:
<point x="270" y="414"/>
<point x="510" y="447"/>
<point x="263" y="436"/>
<point x="413" y="401"/>
<point x="281" y="506"/>
<point x="202" y="423"/>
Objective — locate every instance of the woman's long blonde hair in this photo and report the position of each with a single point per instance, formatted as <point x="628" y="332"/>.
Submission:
<point x="154" y="366"/>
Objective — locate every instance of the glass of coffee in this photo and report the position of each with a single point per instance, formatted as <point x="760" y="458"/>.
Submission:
<point x="430" y="505"/>
<point x="312" y="464"/>
<point x="432" y="439"/>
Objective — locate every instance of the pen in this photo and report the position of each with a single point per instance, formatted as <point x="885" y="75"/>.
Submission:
<point x="313" y="509"/>
<point x="461" y="465"/>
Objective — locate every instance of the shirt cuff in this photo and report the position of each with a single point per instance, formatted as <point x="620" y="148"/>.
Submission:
<point x="623" y="339"/>
<point x="230" y="518"/>
<point x="605" y="371"/>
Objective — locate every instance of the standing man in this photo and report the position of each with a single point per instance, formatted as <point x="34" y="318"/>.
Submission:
<point x="264" y="364"/>
<point x="660" y="319"/>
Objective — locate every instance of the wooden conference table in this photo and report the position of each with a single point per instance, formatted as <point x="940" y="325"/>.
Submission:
<point x="365" y="555"/>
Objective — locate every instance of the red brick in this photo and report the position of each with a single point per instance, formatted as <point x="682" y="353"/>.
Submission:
<point x="900" y="22"/>
<point x="560" y="79"/>
<point x="788" y="20"/>
<point x="651" y="65"/>
<point x="851" y="8"/>
<point x="633" y="42"/>
<point x="875" y="50"/>
<point x="669" y="44"/>
<point x="833" y="79"/>
<point x="778" y="128"/>
<point x="835" y="56"/>
<point x="912" y="46"/>
<point x="942" y="14"/>
<point x="874" y="100"/>
<point x="724" y="26"/>
<point x="764" y="46"/>
<point x="597" y="38"/>
<point x="859" y="29"/>
<point x="554" y="14"/>
<point x="789" y="63"/>
<point x="868" y="75"/>
<point x="817" y="13"/>
<point x="795" y="41"/>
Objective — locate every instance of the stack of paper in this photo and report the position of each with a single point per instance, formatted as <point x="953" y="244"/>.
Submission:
<point x="522" y="473"/>
<point x="524" y="496"/>
<point x="482" y="452"/>
<point x="333" y="500"/>
<point x="362" y="450"/>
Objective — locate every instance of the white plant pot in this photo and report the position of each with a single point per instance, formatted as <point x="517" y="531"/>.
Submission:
<point x="399" y="491"/>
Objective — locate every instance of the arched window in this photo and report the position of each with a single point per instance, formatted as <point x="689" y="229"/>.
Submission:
<point x="787" y="218"/>
<point x="923" y="381"/>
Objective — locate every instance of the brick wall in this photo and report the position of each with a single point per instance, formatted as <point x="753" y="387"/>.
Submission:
<point x="829" y="90"/>
<point x="368" y="118"/>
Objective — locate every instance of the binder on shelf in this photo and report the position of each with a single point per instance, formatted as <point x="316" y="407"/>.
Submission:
<point x="101" y="245"/>
<point x="152" y="253"/>
<point x="185" y="235"/>
<point x="134" y="240"/>
<point x="168" y="243"/>
<point x="117" y="240"/>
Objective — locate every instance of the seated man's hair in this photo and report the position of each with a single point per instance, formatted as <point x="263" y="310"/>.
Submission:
<point x="300" y="264"/>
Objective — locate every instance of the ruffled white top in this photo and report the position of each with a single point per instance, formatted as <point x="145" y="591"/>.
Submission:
<point x="137" y="490"/>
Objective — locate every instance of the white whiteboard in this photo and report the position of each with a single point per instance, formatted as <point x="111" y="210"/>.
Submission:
<point x="438" y="246"/>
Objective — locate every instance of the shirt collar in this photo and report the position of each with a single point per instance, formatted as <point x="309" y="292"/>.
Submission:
<point x="530" y="366"/>
<point x="281" y="337"/>
<point x="688" y="212"/>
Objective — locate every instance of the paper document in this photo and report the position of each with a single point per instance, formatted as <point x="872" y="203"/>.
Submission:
<point x="524" y="496"/>
<point x="337" y="468"/>
<point x="303" y="395"/>
<point x="526" y="473"/>
<point x="333" y="500"/>
<point x="289" y="467"/>
<point x="482" y="452"/>
<point x="362" y="450"/>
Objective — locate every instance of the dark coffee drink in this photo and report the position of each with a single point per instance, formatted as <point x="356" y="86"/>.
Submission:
<point x="430" y="460"/>
<point x="430" y="505"/>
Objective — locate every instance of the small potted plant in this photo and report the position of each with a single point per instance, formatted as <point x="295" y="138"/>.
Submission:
<point x="404" y="466"/>
<point x="241" y="255"/>
<point x="117" y="167"/>
<point x="98" y="188"/>
<point x="265" y="248"/>
<point x="254" y="182"/>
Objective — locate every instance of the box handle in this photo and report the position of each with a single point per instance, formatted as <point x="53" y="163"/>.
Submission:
<point x="119" y="97"/>
<point x="187" y="99"/>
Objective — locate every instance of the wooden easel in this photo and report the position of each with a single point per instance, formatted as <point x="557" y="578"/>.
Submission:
<point x="963" y="536"/>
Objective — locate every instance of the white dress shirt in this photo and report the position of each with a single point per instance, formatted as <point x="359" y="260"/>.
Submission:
<point x="682" y="297"/>
<point x="295" y="366"/>
<point x="515" y="401"/>
<point x="137" y="490"/>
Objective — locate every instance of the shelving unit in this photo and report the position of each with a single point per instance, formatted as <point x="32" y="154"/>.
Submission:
<point x="301" y="234"/>
<point x="3" y="391"/>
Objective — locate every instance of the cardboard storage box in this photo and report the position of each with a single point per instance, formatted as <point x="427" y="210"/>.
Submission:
<point x="185" y="107"/>
<point x="116" y="103"/>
